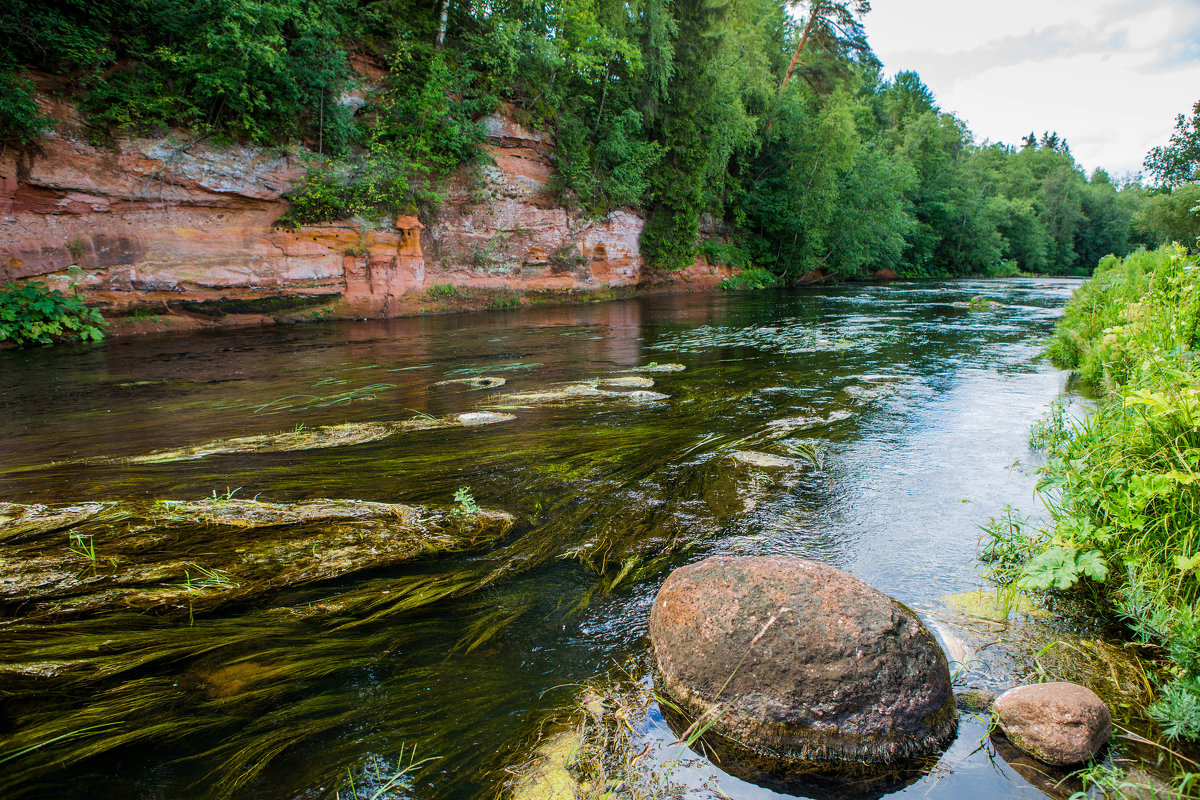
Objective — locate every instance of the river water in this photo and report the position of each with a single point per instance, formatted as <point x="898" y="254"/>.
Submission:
<point x="904" y="415"/>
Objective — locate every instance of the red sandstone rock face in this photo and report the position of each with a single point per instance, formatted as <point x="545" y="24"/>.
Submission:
<point x="178" y="225"/>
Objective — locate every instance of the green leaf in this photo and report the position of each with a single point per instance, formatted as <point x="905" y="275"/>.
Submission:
<point x="1092" y="564"/>
<point x="1187" y="563"/>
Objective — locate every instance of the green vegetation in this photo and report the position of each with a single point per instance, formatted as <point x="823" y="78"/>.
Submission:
<point x="679" y="109"/>
<point x="443" y="290"/>
<point x="1123" y="484"/>
<point x="753" y="278"/>
<point x="32" y="314"/>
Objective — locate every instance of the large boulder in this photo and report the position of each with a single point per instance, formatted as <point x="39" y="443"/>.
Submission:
<point x="1058" y="723"/>
<point x="800" y="662"/>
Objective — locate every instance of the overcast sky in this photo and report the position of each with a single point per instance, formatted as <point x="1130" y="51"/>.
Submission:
<point x="1110" y="75"/>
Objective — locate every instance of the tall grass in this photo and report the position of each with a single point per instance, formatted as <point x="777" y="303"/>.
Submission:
<point x="1123" y="484"/>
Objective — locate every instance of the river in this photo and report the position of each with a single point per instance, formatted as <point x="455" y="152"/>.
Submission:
<point x="903" y="414"/>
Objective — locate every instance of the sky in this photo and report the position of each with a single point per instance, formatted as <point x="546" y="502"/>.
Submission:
<point x="1109" y="75"/>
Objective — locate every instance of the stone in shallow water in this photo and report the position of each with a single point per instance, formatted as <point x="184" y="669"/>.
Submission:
<point x="641" y="396"/>
<point x="753" y="458"/>
<point x="579" y="391"/>
<point x="474" y="418"/>
<point x="629" y="382"/>
<point x="316" y="438"/>
<point x="656" y="367"/>
<point x="797" y="661"/>
<point x="1058" y="723"/>
<point x="236" y="549"/>
<point x="480" y="382"/>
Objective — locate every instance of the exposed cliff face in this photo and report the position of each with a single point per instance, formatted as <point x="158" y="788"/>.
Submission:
<point x="183" y="230"/>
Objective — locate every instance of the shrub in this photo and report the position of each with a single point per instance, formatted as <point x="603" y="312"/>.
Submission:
<point x="32" y="314"/>
<point x="20" y="120"/>
<point x="749" y="279"/>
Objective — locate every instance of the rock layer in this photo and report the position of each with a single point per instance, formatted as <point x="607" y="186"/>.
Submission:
<point x="180" y="228"/>
<point x="799" y="661"/>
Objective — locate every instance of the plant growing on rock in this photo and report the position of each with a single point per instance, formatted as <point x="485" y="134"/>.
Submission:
<point x="467" y="507"/>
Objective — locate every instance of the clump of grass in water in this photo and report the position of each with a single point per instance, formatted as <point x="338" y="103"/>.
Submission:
<point x="399" y="779"/>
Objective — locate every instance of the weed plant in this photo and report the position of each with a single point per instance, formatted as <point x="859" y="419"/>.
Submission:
<point x="33" y="314"/>
<point x="1123" y="484"/>
<point x="750" y="279"/>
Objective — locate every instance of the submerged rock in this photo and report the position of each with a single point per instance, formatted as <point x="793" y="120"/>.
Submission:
<point x="25" y="520"/>
<point x="579" y="391"/>
<point x="480" y="382"/>
<point x="201" y="554"/>
<point x="796" y="661"/>
<point x="753" y="458"/>
<point x="654" y="366"/>
<point x="1058" y="723"/>
<point x="474" y="418"/>
<point x="316" y="438"/>
<point x="974" y="700"/>
<point x="640" y="396"/>
<point x="629" y="382"/>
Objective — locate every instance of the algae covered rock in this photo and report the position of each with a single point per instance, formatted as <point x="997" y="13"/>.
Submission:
<point x="201" y="554"/>
<point x="793" y="661"/>
<point x="304" y="438"/>
<point x="1058" y="723"/>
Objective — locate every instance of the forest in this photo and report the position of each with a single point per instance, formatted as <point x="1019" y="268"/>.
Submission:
<point x="781" y="127"/>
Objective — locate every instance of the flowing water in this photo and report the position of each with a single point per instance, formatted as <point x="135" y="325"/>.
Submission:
<point x="898" y="417"/>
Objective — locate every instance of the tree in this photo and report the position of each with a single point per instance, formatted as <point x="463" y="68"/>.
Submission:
<point x="836" y="27"/>
<point x="1178" y="163"/>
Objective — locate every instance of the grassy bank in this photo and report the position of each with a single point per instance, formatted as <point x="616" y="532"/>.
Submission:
<point x="1123" y="484"/>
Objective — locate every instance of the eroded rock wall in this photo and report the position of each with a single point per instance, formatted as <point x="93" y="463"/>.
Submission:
<point x="184" y="229"/>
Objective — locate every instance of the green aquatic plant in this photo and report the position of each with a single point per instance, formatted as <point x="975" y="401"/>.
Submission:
<point x="467" y="507"/>
<point x="222" y="499"/>
<point x="1008" y="543"/>
<point x="1123" y="484"/>
<point x="1061" y="567"/>
<point x="83" y="544"/>
<point x="1052" y="429"/>
<point x="21" y="751"/>
<point x="303" y="402"/>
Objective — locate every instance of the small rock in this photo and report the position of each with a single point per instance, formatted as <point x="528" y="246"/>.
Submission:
<point x="1058" y="723"/>
<point x="654" y="366"/>
<point x="974" y="700"/>
<point x="753" y="458"/>
<point x="480" y="382"/>
<point x="473" y="418"/>
<point x="642" y="396"/>
<point x="629" y="382"/>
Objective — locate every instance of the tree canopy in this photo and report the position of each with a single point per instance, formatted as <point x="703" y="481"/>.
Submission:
<point x="679" y="109"/>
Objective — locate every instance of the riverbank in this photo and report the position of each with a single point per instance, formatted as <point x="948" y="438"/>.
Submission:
<point x="1120" y="485"/>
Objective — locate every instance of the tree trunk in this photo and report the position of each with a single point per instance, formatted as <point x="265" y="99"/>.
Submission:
<point x="441" y="37"/>
<point x="787" y="76"/>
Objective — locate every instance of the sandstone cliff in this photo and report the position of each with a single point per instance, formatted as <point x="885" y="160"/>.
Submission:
<point x="171" y="232"/>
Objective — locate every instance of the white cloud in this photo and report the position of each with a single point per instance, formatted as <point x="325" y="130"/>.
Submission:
<point x="1109" y="75"/>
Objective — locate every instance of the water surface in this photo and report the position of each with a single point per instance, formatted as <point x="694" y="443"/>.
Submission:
<point x="907" y="415"/>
